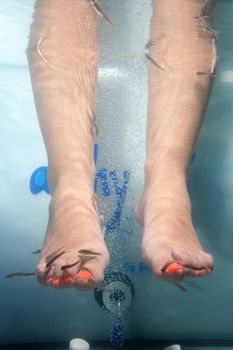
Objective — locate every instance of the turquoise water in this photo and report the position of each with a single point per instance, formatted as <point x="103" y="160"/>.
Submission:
<point x="30" y="313"/>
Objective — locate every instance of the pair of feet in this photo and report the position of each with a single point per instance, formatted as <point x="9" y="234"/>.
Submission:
<point x="74" y="246"/>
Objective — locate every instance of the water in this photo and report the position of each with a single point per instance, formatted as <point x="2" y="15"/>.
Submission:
<point x="30" y="313"/>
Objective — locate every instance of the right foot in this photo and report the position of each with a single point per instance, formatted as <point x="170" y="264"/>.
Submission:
<point x="74" y="225"/>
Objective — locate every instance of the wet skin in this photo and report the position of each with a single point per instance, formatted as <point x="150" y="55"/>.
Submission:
<point x="63" y="59"/>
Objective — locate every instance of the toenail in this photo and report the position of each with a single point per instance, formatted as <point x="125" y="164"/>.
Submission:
<point x="175" y="268"/>
<point x="57" y="282"/>
<point x="84" y="275"/>
<point x="49" y="279"/>
<point x="68" y="280"/>
<point x="172" y="267"/>
<point x="49" y="271"/>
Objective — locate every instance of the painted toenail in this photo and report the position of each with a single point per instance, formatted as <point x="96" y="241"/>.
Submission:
<point x="172" y="267"/>
<point x="49" y="279"/>
<point x="57" y="282"/>
<point x="84" y="275"/>
<point x="68" y="280"/>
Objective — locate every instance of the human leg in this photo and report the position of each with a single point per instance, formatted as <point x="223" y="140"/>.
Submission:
<point x="183" y="57"/>
<point x="63" y="58"/>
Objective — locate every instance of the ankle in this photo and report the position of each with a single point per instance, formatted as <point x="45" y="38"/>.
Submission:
<point x="167" y="164"/>
<point x="167" y="206"/>
<point x="73" y="180"/>
<point x="73" y="194"/>
<point x="72" y="185"/>
<point x="164" y="176"/>
<point x="166" y="192"/>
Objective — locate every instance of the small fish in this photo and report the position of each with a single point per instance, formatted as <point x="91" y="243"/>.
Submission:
<point x="100" y="286"/>
<point x="65" y="267"/>
<point x="151" y="59"/>
<point x="100" y="11"/>
<point x="38" y="251"/>
<point x="180" y="287"/>
<point x="50" y="256"/>
<point x="88" y="252"/>
<point x="194" y="285"/>
<point x="20" y="274"/>
<point x="54" y="257"/>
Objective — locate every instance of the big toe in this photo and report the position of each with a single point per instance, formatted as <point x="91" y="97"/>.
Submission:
<point x="96" y="266"/>
<point x="157" y="262"/>
<point x="160" y="266"/>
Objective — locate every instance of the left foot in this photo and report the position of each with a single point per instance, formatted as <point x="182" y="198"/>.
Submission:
<point x="169" y="236"/>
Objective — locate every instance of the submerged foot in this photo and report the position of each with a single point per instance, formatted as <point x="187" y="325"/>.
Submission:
<point x="74" y="251"/>
<point x="170" y="245"/>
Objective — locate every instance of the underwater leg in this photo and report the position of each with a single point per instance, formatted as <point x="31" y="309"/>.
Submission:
<point x="63" y="58"/>
<point x="182" y="61"/>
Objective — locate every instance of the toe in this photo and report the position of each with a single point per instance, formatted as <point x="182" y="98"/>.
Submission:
<point x="95" y="267"/>
<point x="52" y="275"/>
<point x="173" y="271"/>
<point x="40" y="273"/>
<point x="49" y="275"/>
<point x="69" y="268"/>
<point x="208" y="262"/>
<point x="160" y="267"/>
<point x="57" y="282"/>
<point x="82" y="280"/>
<point x="58" y="273"/>
<point x="44" y="274"/>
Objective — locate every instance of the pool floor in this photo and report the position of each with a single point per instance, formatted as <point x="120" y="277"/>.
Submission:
<point x="129" y="345"/>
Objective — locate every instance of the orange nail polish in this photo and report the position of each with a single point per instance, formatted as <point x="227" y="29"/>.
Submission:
<point x="174" y="267"/>
<point x="57" y="281"/>
<point x="68" y="280"/>
<point x="84" y="275"/>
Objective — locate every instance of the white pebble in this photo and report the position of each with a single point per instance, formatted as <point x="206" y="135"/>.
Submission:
<point x="79" y="344"/>
<point x="173" y="347"/>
